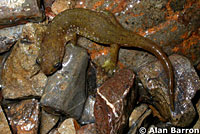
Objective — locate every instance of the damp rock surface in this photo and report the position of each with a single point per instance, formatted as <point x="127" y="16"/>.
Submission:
<point x="187" y="83"/>
<point x="20" y="75"/>
<point x="24" y="116"/>
<point x="114" y="99"/>
<point x="8" y="36"/>
<point x="19" y="11"/>
<point x="66" y="89"/>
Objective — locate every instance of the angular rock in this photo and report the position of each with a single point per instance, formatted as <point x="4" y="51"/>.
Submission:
<point x="88" y="111"/>
<point x="48" y="121"/>
<point x="24" y="116"/>
<point x="19" y="11"/>
<point x="187" y="83"/>
<point x="114" y="100"/>
<point x="68" y="126"/>
<point x="65" y="91"/>
<point x="4" y="127"/>
<point x="20" y="75"/>
<point x="87" y="129"/>
<point x="137" y="117"/>
<point x="8" y="36"/>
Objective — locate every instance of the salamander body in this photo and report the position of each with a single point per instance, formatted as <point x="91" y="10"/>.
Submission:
<point x="100" y="27"/>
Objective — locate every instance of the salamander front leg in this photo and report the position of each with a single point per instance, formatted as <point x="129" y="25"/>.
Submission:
<point x="111" y="63"/>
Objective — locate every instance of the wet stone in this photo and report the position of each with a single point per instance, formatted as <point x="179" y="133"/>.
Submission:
<point x="8" y="36"/>
<point x="87" y="129"/>
<point x="187" y="83"/>
<point x="24" y="116"/>
<point x="65" y="91"/>
<point x="14" y="12"/>
<point x="138" y="115"/>
<point x="20" y="75"/>
<point x="114" y="100"/>
<point x="68" y="126"/>
<point x="48" y="121"/>
<point x="88" y="111"/>
<point x="4" y="127"/>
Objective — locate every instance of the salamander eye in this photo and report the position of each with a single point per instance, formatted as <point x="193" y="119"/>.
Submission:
<point x="57" y="65"/>
<point x="38" y="61"/>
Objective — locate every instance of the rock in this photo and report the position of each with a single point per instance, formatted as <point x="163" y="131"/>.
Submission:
<point x="197" y="124"/>
<point x="3" y="58"/>
<point x="88" y="111"/>
<point x="114" y="100"/>
<point x="61" y="5"/>
<point x="137" y="117"/>
<point x="24" y="116"/>
<point x="174" y="28"/>
<point x="69" y="126"/>
<point x="4" y="127"/>
<point x="15" y="12"/>
<point x="65" y="91"/>
<point x="8" y="36"/>
<point x="20" y="75"/>
<point x="187" y="83"/>
<point x="48" y="121"/>
<point x="87" y="129"/>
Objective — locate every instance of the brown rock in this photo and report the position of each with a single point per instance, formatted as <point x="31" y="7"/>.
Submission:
<point x="61" y="5"/>
<point x="111" y="109"/>
<point x="87" y="129"/>
<point x="48" y="121"/>
<point x="20" y="75"/>
<point x="4" y="127"/>
<point x="69" y="126"/>
<point x="24" y="116"/>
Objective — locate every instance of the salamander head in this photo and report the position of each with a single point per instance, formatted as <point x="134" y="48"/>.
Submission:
<point x="50" y="57"/>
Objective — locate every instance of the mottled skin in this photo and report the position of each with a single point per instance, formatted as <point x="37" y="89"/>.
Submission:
<point x="100" y="27"/>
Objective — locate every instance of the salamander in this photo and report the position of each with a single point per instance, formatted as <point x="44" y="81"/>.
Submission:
<point x="100" y="27"/>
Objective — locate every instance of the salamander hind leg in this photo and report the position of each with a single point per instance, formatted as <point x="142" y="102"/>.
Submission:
<point x="110" y="64"/>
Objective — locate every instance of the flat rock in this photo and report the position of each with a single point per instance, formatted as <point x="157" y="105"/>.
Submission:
<point x="20" y="75"/>
<point x="65" y="91"/>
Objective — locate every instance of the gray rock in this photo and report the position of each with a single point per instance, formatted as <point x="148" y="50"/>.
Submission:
<point x="65" y="90"/>
<point x="187" y="83"/>
<point x="88" y="112"/>
<point x="8" y="36"/>
<point x="14" y="12"/>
